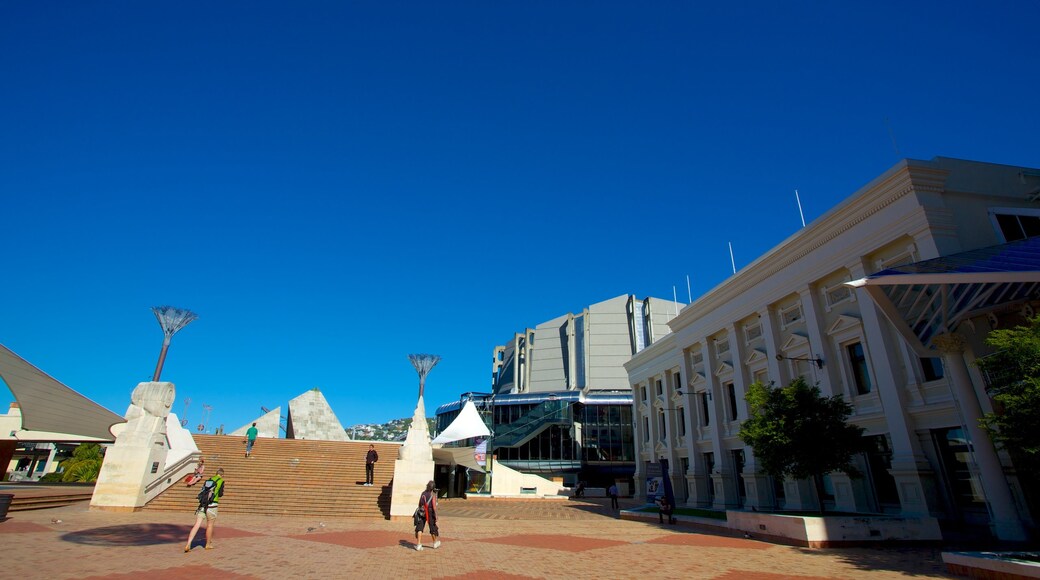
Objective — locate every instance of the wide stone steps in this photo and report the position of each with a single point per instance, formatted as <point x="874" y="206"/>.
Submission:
<point x="290" y="477"/>
<point x="28" y="498"/>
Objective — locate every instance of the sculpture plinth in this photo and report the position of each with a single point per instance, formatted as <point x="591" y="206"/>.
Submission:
<point x="413" y="467"/>
<point x="139" y="454"/>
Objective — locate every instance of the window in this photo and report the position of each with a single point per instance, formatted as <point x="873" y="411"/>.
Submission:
<point x="738" y="466"/>
<point x="646" y="428"/>
<point x="642" y="390"/>
<point x="682" y="421"/>
<point x="954" y="454"/>
<point x="705" y="417"/>
<point x="752" y="332"/>
<point x="1016" y="226"/>
<point x="722" y="346"/>
<point x="761" y="376"/>
<point x="731" y="392"/>
<point x="661" y="422"/>
<point x="660" y="388"/>
<point x="933" y="368"/>
<point x="709" y="468"/>
<point x="790" y="315"/>
<point x="879" y="462"/>
<point x="858" y="364"/>
<point x="678" y="381"/>
<point x="684" y="463"/>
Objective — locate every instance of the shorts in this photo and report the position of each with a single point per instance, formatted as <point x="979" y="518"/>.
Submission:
<point x="433" y="525"/>
<point x="210" y="512"/>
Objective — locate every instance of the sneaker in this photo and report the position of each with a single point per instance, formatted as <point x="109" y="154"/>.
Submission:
<point x="210" y="546"/>
<point x="418" y="547"/>
<point x="437" y="544"/>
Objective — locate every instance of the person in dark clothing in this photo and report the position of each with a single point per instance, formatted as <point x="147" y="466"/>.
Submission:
<point x="428" y="506"/>
<point x="612" y="491"/>
<point x="665" y="510"/>
<point x="370" y="464"/>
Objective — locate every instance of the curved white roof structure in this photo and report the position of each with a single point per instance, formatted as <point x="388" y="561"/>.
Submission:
<point x="48" y="405"/>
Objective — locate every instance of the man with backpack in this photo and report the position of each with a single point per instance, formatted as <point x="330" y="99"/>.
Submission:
<point x="209" y="501"/>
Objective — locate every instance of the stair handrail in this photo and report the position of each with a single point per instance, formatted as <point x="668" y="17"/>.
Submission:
<point x="533" y="420"/>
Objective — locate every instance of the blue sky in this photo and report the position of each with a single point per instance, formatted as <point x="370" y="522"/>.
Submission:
<point x="332" y="186"/>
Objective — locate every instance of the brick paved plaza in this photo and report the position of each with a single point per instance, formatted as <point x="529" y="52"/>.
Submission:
<point x="481" y="539"/>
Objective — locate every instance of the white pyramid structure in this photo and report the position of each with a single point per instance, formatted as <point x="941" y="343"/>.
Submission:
<point x="267" y="425"/>
<point x="311" y="417"/>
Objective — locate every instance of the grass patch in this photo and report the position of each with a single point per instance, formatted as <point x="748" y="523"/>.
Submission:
<point x="684" y="511"/>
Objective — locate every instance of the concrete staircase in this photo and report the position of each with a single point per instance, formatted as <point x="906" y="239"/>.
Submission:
<point x="290" y="477"/>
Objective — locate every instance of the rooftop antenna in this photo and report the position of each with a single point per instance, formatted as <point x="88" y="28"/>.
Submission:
<point x="675" y="301"/>
<point x="799" y="200"/>
<point x="732" y="262"/>
<point x="892" y="135"/>
<point x="689" y="294"/>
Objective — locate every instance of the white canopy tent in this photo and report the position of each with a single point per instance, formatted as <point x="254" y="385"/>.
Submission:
<point x="466" y="426"/>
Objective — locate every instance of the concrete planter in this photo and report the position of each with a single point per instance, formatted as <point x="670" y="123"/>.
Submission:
<point x="1004" y="565"/>
<point x="832" y="531"/>
<point x="5" y="503"/>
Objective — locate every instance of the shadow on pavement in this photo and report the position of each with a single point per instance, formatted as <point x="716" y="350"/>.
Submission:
<point x="130" y="535"/>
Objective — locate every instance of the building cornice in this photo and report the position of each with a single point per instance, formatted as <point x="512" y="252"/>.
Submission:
<point x="907" y="177"/>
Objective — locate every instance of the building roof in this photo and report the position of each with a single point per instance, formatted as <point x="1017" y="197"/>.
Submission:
<point x="48" y="405"/>
<point x="929" y="298"/>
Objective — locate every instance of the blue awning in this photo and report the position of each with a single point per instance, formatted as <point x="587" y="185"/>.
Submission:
<point x="932" y="297"/>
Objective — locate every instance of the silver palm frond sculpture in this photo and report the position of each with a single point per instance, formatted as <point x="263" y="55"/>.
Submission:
<point x="171" y="320"/>
<point x="423" y="364"/>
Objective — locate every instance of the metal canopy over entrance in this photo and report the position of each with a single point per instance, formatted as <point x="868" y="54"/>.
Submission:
<point x="930" y="298"/>
<point x="48" y="405"/>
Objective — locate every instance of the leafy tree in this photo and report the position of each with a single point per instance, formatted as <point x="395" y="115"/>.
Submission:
<point x="1014" y="385"/>
<point x="795" y="431"/>
<point x="84" y="465"/>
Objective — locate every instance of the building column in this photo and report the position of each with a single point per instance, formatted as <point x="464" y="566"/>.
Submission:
<point x="914" y="478"/>
<point x="771" y="334"/>
<point x="819" y="346"/>
<point x="1006" y="523"/>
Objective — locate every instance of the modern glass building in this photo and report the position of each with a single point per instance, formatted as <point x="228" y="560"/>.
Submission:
<point x="560" y="404"/>
<point x="568" y="435"/>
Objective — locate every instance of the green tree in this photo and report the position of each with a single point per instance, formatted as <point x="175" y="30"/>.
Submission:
<point x="84" y="465"/>
<point x="1013" y="374"/>
<point x="797" y="432"/>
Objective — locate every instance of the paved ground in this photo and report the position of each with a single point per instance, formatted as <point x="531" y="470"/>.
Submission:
<point x="482" y="539"/>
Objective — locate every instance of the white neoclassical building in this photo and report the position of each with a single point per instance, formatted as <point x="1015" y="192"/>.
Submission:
<point x="793" y="312"/>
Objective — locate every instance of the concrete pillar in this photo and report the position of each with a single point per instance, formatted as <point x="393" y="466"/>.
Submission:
<point x="1006" y="523"/>
<point x="414" y="467"/>
<point x="910" y="468"/>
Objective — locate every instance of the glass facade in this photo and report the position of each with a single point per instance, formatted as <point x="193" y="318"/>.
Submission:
<point x="560" y="436"/>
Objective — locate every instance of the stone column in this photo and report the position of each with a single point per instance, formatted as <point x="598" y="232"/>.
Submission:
<point x="986" y="465"/>
<point x="910" y="468"/>
<point x="414" y="466"/>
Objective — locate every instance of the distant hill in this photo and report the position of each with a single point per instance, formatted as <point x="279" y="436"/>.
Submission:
<point x="394" y="430"/>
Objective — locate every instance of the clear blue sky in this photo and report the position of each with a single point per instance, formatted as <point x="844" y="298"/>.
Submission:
<point x="334" y="185"/>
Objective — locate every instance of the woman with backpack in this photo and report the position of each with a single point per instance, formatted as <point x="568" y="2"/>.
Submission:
<point x="426" y="513"/>
<point x="209" y="501"/>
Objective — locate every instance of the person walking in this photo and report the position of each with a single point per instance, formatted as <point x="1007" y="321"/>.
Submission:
<point x="613" y="493"/>
<point x="370" y="464"/>
<point x="428" y="509"/>
<point x="250" y="439"/>
<point x="209" y="501"/>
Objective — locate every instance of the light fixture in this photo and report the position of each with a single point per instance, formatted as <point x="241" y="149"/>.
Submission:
<point x="817" y="360"/>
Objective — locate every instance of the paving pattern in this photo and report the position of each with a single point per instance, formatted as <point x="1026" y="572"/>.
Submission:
<point x="483" y="539"/>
